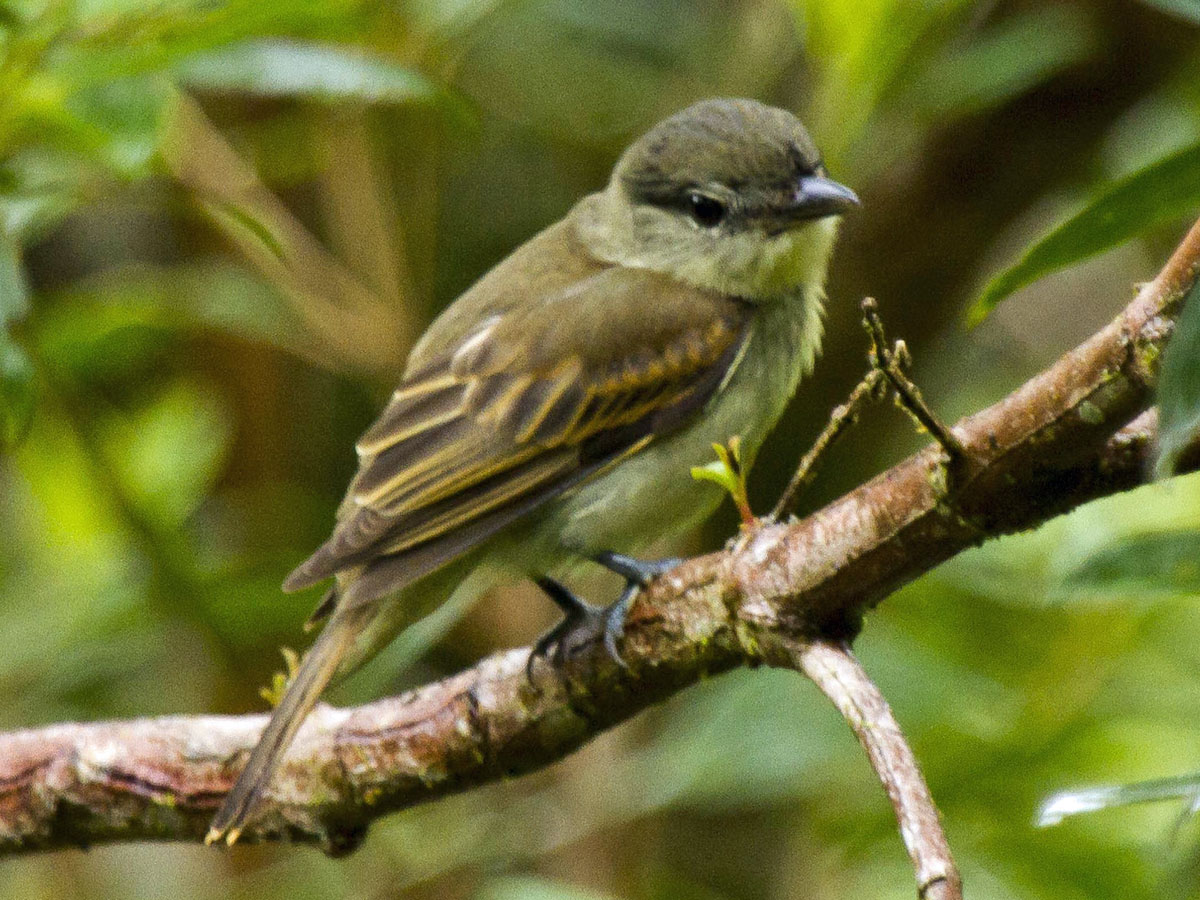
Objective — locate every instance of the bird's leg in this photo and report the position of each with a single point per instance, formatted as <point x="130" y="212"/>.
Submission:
<point x="637" y="572"/>
<point x="583" y="622"/>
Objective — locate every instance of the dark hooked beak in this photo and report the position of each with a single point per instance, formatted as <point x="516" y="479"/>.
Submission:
<point x="817" y="197"/>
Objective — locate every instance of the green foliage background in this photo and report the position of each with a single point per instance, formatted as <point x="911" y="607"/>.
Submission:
<point x="223" y="223"/>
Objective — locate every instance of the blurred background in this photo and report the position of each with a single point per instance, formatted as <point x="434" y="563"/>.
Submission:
<point x="223" y="225"/>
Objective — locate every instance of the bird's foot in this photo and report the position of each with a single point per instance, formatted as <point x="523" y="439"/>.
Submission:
<point x="582" y="624"/>
<point x="638" y="573"/>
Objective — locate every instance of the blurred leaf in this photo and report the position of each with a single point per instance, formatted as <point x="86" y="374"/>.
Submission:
<point x="121" y="38"/>
<point x="126" y="317"/>
<point x="529" y="888"/>
<point x="864" y="50"/>
<point x="16" y="371"/>
<point x="1005" y="61"/>
<point x="89" y="340"/>
<point x="737" y="742"/>
<point x="1183" y="9"/>
<point x="115" y="122"/>
<point x="16" y="394"/>
<point x="1158" y="193"/>
<point x="1146" y="565"/>
<point x="1179" y="389"/>
<point x="128" y="115"/>
<point x="1071" y="803"/>
<point x="14" y="295"/>
<point x="312" y="71"/>
<point x="169" y="453"/>
<point x="230" y="299"/>
<point x="38" y="187"/>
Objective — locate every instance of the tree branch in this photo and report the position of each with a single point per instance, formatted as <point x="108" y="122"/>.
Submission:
<point x="1064" y="438"/>
<point x="833" y="668"/>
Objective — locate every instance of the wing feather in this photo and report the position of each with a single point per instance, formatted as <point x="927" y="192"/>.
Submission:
<point x="531" y="412"/>
<point x="484" y="430"/>
<point x="412" y="410"/>
<point x="427" y="453"/>
<point x="482" y="498"/>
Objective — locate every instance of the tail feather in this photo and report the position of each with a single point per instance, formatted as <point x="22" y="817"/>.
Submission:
<point x="323" y="611"/>
<point x="318" y="668"/>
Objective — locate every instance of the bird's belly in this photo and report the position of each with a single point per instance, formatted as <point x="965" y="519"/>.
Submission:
<point x="646" y="498"/>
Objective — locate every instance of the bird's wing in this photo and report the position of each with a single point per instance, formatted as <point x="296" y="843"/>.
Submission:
<point x="530" y="403"/>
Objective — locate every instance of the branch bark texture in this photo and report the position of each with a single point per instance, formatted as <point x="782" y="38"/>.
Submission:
<point x="832" y="667"/>
<point x="1078" y="431"/>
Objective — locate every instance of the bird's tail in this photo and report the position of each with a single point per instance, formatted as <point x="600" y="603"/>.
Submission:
<point x="318" y="668"/>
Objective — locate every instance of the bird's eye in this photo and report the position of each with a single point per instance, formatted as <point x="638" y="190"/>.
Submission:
<point x="704" y="210"/>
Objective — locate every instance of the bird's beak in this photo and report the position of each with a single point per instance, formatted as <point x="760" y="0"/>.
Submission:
<point x="817" y="197"/>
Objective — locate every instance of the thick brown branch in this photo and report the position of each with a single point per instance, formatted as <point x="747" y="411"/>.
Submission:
<point x="1060" y="440"/>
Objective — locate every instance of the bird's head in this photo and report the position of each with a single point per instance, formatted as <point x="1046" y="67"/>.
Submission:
<point x="730" y="195"/>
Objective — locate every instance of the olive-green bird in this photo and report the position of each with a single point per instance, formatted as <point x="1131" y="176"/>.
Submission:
<point x="551" y="415"/>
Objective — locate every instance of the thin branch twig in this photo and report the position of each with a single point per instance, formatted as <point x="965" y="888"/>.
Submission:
<point x="887" y="364"/>
<point x="892" y="362"/>
<point x="832" y="667"/>
<point x="842" y="417"/>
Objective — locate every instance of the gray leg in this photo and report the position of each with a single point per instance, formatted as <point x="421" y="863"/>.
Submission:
<point x="582" y="623"/>
<point x="636" y="571"/>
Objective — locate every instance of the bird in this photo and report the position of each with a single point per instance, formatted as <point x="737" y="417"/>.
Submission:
<point x="551" y="414"/>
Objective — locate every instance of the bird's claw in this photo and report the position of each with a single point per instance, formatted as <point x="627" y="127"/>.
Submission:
<point x="582" y="624"/>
